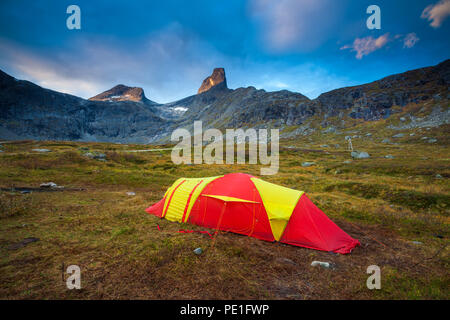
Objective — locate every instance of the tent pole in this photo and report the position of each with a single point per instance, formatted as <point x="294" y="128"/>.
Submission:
<point x="218" y="224"/>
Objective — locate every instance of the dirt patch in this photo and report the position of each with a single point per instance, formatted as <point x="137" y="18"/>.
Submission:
<point x="22" y="243"/>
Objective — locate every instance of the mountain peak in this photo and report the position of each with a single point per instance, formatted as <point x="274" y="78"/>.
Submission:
<point x="121" y="93"/>
<point x="216" y="78"/>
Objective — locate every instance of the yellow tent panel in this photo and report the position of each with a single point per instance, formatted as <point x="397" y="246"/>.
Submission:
<point x="279" y="203"/>
<point x="228" y="199"/>
<point x="182" y="196"/>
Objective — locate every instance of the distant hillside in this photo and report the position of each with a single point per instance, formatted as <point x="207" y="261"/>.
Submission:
<point x="124" y="114"/>
<point x="28" y="111"/>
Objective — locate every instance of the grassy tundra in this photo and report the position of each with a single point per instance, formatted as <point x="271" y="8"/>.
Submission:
<point x="398" y="209"/>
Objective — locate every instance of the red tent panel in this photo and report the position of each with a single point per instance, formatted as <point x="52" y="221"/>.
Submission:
<point x="309" y="227"/>
<point x="238" y="217"/>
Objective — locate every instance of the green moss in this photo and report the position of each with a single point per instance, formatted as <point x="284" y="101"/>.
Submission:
<point x="408" y="198"/>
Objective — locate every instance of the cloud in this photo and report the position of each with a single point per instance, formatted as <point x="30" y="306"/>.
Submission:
<point x="437" y="13"/>
<point x="278" y="84"/>
<point x="44" y="72"/>
<point x="367" y="45"/>
<point x="169" y="64"/>
<point x="410" y="40"/>
<point x="309" y="79"/>
<point x="293" y="25"/>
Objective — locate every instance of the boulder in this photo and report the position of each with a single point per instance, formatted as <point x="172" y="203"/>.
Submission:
<point x="308" y="164"/>
<point x="100" y="156"/>
<point x="360" y="155"/>
<point x="331" y="129"/>
<point x="95" y="155"/>
<point x="398" y="135"/>
<point x="48" y="185"/>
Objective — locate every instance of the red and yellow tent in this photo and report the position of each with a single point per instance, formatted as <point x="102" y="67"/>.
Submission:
<point x="244" y="204"/>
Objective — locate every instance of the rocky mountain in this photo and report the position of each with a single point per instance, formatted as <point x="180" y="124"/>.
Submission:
<point x="217" y="79"/>
<point x="28" y="111"/>
<point x="373" y="101"/>
<point x="122" y="93"/>
<point x="124" y="114"/>
<point x="135" y="94"/>
<point x="248" y="107"/>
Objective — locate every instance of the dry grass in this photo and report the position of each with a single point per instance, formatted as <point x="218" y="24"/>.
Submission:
<point x="386" y="204"/>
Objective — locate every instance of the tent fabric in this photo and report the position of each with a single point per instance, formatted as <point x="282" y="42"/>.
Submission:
<point x="227" y="199"/>
<point x="309" y="227"/>
<point x="247" y="205"/>
<point x="182" y="196"/>
<point x="279" y="203"/>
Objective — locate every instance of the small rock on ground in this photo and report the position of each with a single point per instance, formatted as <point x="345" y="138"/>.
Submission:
<point x="326" y="265"/>
<point x="286" y="260"/>
<point x="308" y="164"/>
<point x="50" y="185"/>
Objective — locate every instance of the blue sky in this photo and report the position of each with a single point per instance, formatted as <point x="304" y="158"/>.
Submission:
<point x="168" y="47"/>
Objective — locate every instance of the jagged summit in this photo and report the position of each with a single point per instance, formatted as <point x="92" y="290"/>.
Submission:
<point x="121" y="93"/>
<point x="215" y="79"/>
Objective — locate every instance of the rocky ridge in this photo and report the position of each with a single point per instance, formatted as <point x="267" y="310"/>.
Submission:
<point x="124" y="114"/>
<point x="121" y="93"/>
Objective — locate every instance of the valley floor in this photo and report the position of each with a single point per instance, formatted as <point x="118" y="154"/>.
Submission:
<point x="398" y="209"/>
